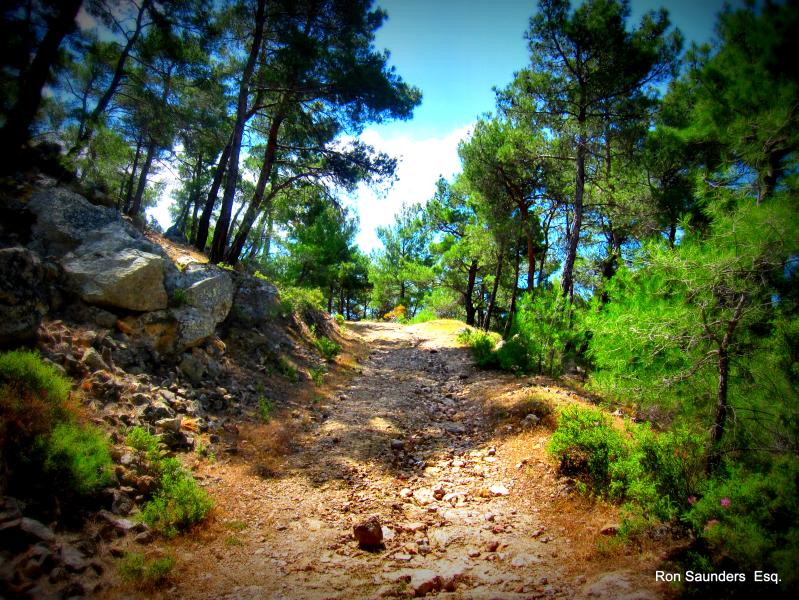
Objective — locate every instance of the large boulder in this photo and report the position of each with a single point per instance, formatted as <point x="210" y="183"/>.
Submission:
<point x="129" y="278"/>
<point x="63" y="219"/>
<point x="23" y="297"/>
<point x="255" y="301"/>
<point x="209" y="289"/>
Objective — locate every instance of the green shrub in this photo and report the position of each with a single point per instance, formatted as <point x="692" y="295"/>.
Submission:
<point x="318" y="374"/>
<point x="586" y="443"/>
<point x="482" y="345"/>
<point x="339" y="318"/>
<point x="423" y="316"/>
<point x="79" y="456"/>
<point x="288" y="370"/>
<point x="26" y="370"/>
<point x="134" y="568"/>
<point x="655" y="474"/>
<point x="513" y="356"/>
<point x="753" y="518"/>
<point x="301" y="300"/>
<point x="265" y="408"/>
<point x="179" y="502"/>
<point x="142" y="440"/>
<point x="179" y="297"/>
<point x="327" y="347"/>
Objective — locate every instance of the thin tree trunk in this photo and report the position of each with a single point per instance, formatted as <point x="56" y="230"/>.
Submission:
<point x="16" y="130"/>
<point x="233" y="253"/>
<point x="497" y="277"/>
<point x="514" y="294"/>
<point x="567" y="280"/>
<point x="145" y="170"/>
<point x="205" y="220"/>
<point x="467" y="296"/>
<point x="129" y="192"/>
<point x="219" y="241"/>
<point x="723" y="367"/>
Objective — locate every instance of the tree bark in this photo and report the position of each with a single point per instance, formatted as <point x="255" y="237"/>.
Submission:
<point x="135" y="206"/>
<point x="205" y="219"/>
<point x="467" y="296"/>
<point x="219" y="241"/>
<point x="16" y="130"/>
<point x="129" y="192"/>
<point x="497" y="276"/>
<point x="567" y="280"/>
<point x="514" y="294"/>
<point x="234" y="252"/>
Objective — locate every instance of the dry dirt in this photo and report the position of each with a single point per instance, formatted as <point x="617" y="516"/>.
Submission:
<point x="405" y="428"/>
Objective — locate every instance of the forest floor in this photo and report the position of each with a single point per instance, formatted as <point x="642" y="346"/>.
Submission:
<point x="404" y="427"/>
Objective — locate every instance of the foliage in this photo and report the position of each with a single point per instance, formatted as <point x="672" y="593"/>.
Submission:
<point x="287" y="369"/>
<point x="423" y="316"/>
<point x="339" y="318"/>
<point x="327" y="347"/>
<point x="40" y="438"/>
<point x="318" y="374"/>
<point x="145" y="573"/>
<point x="178" y="503"/>
<point x="396" y="314"/>
<point x="752" y="517"/>
<point x="266" y="407"/>
<point x="301" y="300"/>
<point x="482" y="345"/>
<point x="79" y="458"/>
<point x="654" y="473"/>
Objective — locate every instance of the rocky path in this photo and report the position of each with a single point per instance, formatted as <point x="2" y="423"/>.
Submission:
<point x="411" y="441"/>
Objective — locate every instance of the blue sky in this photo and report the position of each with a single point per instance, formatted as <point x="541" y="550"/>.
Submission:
<point x="456" y="52"/>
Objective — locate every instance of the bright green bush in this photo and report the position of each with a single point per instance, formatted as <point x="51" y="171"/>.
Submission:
<point x="753" y="518"/>
<point x="301" y="300"/>
<point x="327" y="347"/>
<point x="26" y="370"/>
<point x="423" y="316"/>
<point x="142" y="440"/>
<point x="339" y="318"/>
<point x="178" y="503"/>
<point x="79" y="457"/>
<point x="266" y="407"/>
<point x="142" y="572"/>
<point x="482" y="345"/>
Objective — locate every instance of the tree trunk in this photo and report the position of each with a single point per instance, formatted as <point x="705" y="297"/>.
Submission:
<point x="233" y="253"/>
<point x="205" y="220"/>
<point x="567" y="280"/>
<point x="467" y="296"/>
<point x="91" y="122"/>
<point x="129" y="192"/>
<point x="514" y="294"/>
<point x="16" y="130"/>
<point x="497" y="276"/>
<point x="145" y="170"/>
<point x="232" y="173"/>
<point x="723" y="367"/>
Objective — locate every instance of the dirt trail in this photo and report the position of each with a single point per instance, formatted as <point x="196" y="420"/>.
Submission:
<point x="470" y="506"/>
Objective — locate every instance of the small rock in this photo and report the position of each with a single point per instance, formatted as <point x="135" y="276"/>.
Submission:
<point x="498" y="490"/>
<point x="609" y="529"/>
<point x="73" y="559"/>
<point x="492" y="546"/>
<point x="397" y="445"/>
<point x="369" y="532"/>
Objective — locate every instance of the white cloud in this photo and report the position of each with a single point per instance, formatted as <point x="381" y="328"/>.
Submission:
<point x="421" y="162"/>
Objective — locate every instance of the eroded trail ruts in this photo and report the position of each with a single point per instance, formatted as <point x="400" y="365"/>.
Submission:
<point x="407" y="440"/>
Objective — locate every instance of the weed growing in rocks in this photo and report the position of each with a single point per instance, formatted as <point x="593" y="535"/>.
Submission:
<point x="178" y="502"/>
<point x="265" y="408"/>
<point x="144" y="573"/>
<point x="327" y="347"/>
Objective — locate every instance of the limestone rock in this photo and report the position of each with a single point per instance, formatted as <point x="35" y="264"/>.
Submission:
<point x="255" y="301"/>
<point x="128" y="278"/>
<point x="63" y="218"/>
<point x="368" y="532"/>
<point x="23" y="297"/>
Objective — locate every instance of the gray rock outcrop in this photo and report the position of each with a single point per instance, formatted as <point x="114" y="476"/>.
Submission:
<point x="23" y="299"/>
